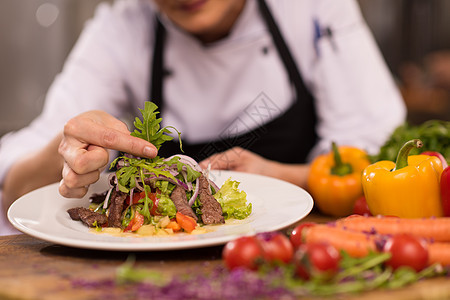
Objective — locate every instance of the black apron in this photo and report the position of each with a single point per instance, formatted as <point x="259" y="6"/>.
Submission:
<point x="287" y="138"/>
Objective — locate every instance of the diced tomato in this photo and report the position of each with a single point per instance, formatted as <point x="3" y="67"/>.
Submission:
<point x="136" y="222"/>
<point x="187" y="223"/>
<point x="139" y="196"/>
<point x="136" y="198"/>
<point x="153" y="197"/>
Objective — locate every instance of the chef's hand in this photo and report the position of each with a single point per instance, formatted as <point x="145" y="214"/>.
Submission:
<point x="238" y="159"/>
<point x="84" y="147"/>
<point x="242" y="160"/>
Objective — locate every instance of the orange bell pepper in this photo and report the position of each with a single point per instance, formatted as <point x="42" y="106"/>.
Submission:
<point x="408" y="188"/>
<point x="334" y="179"/>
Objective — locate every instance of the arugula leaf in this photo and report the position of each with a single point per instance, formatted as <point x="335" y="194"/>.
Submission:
<point x="133" y="169"/>
<point x="145" y="210"/>
<point x="149" y="127"/>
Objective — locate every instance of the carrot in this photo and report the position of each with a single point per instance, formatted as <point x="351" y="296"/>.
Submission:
<point x="433" y="229"/>
<point x="439" y="253"/>
<point x="357" y="244"/>
<point x="174" y="226"/>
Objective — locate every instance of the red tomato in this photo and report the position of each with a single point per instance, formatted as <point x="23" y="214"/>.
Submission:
<point x="361" y="207"/>
<point x="139" y="196"/>
<point x="296" y="234"/>
<point x="154" y="209"/>
<point x="136" y="222"/>
<point x="244" y="252"/>
<point x="187" y="223"/>
<point x="136" y="198"/>
<point x="316" y="259"/>
<point x="406" y="250"/>
<point x="276" y="246"/>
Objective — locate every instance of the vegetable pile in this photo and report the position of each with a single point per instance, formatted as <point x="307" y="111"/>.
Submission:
<point x="353" y="254"/>
<point x="435" y="135"/>
<point x="161" y="195"/>
<point x="344" y="181"/>
<point x="313" y="260"/>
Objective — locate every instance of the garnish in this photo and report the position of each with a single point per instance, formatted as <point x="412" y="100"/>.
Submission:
<point x="144" y="189"/>
<point x="133" y="172"/>
<point x="149" y="129"/>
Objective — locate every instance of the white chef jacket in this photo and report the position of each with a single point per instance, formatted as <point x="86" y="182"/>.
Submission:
<point x="212" y="85"/>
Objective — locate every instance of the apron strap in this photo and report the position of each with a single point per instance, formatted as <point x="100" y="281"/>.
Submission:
<point x="157" y="65"/>
<point x="293" y="132"/>
<point x="283" y="51"/>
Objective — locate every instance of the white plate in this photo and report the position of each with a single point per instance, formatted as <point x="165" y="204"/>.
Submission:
<point x="276" y="205"/>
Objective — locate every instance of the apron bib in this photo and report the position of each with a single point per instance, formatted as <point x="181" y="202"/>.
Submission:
<point x="288" y="138"/>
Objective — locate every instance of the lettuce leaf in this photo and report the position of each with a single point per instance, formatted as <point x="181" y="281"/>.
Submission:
<point x="233" y="201"/>
<point x="166" y="207"/>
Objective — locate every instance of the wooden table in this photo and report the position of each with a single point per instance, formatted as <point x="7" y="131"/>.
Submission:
<point x="35" y="269"/>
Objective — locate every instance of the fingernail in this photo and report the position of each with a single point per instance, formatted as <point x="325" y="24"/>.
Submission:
<point x="149" y="151"/>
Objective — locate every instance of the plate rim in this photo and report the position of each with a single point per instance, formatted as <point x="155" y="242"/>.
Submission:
<point x="308" y="204"/>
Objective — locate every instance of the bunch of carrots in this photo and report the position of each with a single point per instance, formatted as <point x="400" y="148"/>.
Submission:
<point x="359" y="235"/>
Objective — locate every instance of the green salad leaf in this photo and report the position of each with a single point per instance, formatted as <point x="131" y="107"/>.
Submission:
<point x="149" y="127"/>
<point x="435" y="135"/>
<point x="166" y="207"/>
<point x="233" y="201"/>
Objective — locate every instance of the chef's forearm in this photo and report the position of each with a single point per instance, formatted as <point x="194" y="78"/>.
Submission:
<point x="32" y="171"/>
<point x="293" y="173"/>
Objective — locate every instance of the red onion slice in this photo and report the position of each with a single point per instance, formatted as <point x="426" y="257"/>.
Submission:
<point x="194" y="196"/>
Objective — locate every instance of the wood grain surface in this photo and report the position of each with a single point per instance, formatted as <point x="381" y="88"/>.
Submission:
<point x="35" y="269"/>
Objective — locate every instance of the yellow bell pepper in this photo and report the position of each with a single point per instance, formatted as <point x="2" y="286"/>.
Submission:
<point x="334" y="180"/>
<point x="408" y="188"/>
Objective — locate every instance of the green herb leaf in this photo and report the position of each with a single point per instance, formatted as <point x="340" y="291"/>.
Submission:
<point x="435" y="135"/>
<point x="128" y="273"/>
<point x="149" y="127"/>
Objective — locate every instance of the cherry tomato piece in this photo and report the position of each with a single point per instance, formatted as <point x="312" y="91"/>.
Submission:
<point x="276" y="246"/>
<point x="136" y="198"/>
<point x="153" y="197"/>
<point x="406" y="250"/>
<point x="139" y="196"/>
<point x="317" y="259"/>
<point x="135" y="223"/>
<point x="296" y="234"/>
<point x="361" y="207"/>
<point x="187" y="223"/>
<point x="244" y="252"/>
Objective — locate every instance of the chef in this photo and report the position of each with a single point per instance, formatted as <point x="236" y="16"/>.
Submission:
<point x="267" y="85"/>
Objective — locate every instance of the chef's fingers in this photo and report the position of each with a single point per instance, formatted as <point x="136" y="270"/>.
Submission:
<point x="101" y="129"/>
<point x="82" y="158"/>
<point x="67" y="192"/>
<point x="224" y="160"/>
<point x="73" y="180"/>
